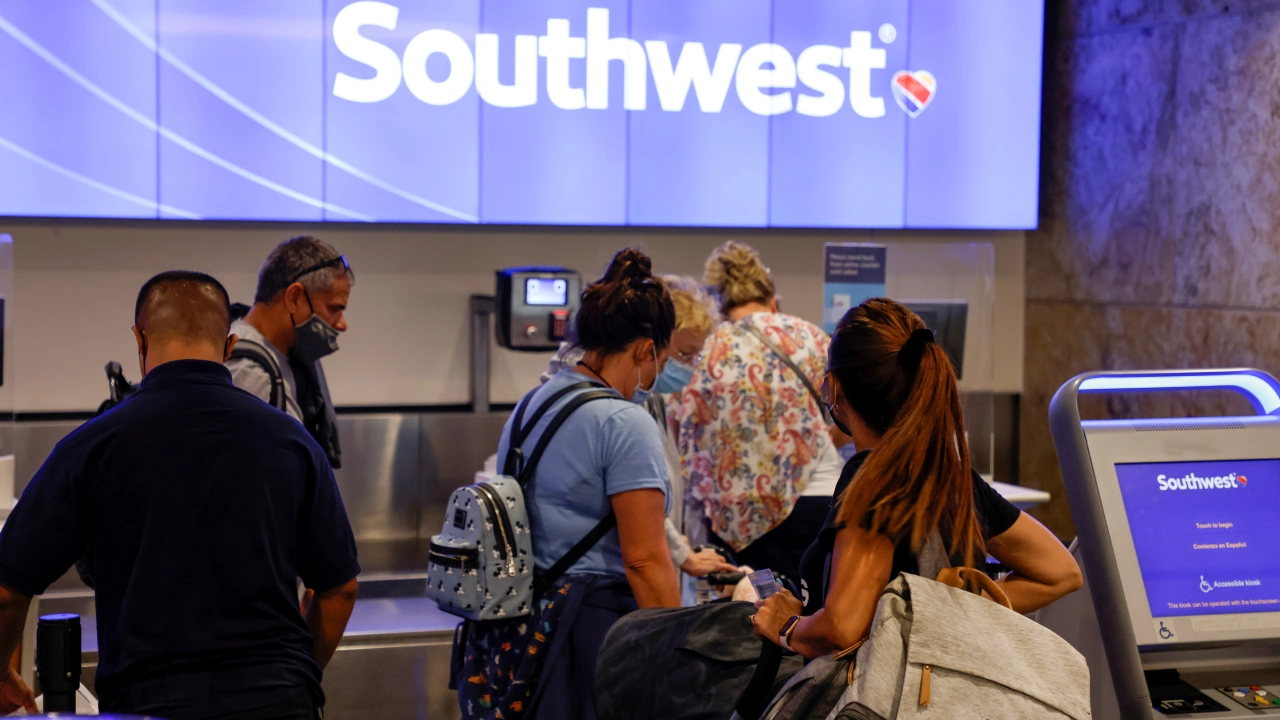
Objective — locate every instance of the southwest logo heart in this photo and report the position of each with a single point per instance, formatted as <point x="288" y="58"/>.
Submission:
<point x="914" y="90"/>
<point x="1242" y="480"/>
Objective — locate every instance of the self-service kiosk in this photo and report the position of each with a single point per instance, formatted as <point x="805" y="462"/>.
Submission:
<point x="1178" y="525"/>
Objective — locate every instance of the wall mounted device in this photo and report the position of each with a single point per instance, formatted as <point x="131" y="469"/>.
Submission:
<point x="535" y="306"/>
<point x="1177" y="538"/>
<point x="948" y="320"/>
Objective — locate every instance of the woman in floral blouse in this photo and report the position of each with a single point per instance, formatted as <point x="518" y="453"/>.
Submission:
<point x="757" y="451"/>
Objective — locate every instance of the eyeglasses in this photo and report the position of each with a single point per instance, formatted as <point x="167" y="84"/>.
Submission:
<point x="690" y="358"/>
<point x="335" y="262"/>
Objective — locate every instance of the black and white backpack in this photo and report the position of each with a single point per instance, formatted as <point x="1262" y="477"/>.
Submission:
<point x="481" y="566"/>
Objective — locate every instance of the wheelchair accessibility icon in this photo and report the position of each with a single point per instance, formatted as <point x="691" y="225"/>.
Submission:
<point x="1204" y="585"/>
<point x="1165" y="633"/>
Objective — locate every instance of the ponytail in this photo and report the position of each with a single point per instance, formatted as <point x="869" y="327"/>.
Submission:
<point x="901" y="383"/>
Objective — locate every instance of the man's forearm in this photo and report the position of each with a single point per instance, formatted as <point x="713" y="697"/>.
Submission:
<point x="327" y="616"/>
<point x="13" y="620"/>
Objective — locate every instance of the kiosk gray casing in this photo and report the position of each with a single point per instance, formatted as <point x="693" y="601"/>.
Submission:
<point x="1087" y="453"/>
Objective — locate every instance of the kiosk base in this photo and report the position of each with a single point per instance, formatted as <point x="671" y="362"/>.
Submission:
<point x="1205" y="694"/>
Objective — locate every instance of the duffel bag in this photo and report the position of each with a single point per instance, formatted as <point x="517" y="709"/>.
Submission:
<point x="682" y="664"/>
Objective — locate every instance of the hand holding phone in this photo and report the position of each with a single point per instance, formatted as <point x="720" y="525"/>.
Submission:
<point x="764" y="583"/>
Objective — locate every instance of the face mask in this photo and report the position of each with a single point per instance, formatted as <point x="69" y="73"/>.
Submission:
<point x="641" y="396"/>
<point x="675" y="376"/>
<point x="836" y="420"/>
<point x="314" y="338"/>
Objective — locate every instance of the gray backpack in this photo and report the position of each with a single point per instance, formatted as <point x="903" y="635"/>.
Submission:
<point x="938" y="650"/>
<point x="480" y="566"/>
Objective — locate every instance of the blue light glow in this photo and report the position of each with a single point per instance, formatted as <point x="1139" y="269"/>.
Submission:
<point x="1260" y="388"/>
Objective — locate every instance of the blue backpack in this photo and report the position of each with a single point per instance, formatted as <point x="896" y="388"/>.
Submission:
<point x="480" y="566"/>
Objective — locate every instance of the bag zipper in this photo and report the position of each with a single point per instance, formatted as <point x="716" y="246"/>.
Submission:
<point x="924" y="686"/>
<point x="498" y="511"/>
<point x="459" y="557"/>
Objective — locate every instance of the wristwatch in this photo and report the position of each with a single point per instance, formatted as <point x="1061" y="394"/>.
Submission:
<point x="784" y="635"/>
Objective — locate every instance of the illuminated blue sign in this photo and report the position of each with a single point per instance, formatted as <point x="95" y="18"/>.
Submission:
<point x="757" y="113"/>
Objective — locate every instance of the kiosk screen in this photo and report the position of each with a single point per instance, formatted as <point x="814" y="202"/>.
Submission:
<point x="1205" y="534"/>
<point x="546" y="291"/>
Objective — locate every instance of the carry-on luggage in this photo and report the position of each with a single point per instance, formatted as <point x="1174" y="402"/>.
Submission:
<point x="936" y="649"/>
<point x="684" y="664"/>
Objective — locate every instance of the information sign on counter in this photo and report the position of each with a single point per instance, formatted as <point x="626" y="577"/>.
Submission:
<point x="853" y="272"/>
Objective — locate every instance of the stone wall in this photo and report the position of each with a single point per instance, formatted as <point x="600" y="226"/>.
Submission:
<point x="1159" y="240"/>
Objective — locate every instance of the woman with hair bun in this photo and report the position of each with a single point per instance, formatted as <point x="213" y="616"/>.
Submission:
<point x="910" y="485"/>
<point x="756" y="448"/>
<point x="607" y="457"/>
<point x="696" y="317"/>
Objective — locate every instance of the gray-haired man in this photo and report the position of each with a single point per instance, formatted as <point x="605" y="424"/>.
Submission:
<point x="297" y="314"/>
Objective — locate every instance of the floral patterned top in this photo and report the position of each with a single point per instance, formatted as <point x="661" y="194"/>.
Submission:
<point x="751" y="433"/>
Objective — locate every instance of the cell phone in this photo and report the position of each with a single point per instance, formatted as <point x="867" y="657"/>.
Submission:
<point x="764" y="583"/>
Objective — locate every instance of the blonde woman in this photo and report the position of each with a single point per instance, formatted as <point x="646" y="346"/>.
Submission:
<point x="756" y="448"/>
<point x="696" y="317"/>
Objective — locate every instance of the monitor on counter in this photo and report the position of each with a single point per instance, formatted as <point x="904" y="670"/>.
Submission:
<point x="1191" y="508"/>
<point x="948" y="320"/>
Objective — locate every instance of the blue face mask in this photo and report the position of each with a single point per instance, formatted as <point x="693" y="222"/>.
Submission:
<point x="641" y="396"/>
<point x="675" y="376"/>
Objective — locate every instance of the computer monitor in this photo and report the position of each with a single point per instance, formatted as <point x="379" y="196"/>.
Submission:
<point x="947" y="319"/>
<point x="1190" y="507"/>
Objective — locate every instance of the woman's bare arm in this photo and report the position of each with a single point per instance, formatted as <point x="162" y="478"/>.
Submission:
<point x="1043" y="570"/>
<point x="642" y="534"/>
<point x="860" y="567"/>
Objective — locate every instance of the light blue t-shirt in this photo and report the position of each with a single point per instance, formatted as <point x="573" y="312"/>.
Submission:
<point x="605" y="448"/>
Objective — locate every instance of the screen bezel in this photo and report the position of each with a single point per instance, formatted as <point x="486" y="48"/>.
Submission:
<point x="545" y="278"/>
<point x="1179" y="440"/>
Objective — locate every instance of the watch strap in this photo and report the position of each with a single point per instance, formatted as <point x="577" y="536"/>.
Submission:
<point x="784" y="635"/>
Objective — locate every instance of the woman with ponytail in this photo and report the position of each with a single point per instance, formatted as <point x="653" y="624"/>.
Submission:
<point x="894" y="390"/>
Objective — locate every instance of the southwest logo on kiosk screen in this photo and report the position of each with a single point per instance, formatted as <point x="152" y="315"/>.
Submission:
<point x="765" y="77"/>
<point x="1191" y="481"/>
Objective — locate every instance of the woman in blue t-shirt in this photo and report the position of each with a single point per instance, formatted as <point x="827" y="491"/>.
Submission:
<point x="608" y="456"/>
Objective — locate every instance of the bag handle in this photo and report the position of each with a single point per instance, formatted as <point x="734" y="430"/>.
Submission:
<point x="978" y="582"/>
<point x="817" y="397"/>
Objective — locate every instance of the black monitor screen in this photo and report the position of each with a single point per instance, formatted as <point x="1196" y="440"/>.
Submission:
<point x="947" y="320"/>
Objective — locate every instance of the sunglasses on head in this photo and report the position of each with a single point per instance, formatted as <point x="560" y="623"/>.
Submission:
<point x="340" y="260"/>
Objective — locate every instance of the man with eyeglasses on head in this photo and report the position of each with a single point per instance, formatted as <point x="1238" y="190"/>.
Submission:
<point x="297" y="314"/>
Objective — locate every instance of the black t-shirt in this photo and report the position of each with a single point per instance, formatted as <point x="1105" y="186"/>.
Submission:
<point x="202" y="506"/>
<point x="995" y="514"/>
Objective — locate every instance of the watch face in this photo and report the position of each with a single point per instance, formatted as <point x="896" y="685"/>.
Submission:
<point x="786" y="627"/>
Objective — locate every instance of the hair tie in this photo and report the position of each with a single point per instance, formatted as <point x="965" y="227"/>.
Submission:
<point x="913" y="349"/>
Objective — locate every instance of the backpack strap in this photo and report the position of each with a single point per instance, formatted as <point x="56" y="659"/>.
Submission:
<point x="932" y="558"/>
<point x="817" y="397"/>
<point x="253" y="352"/>
<point x="602" y="528"/>
<point x="544" y="440"/>
<point x="513" y="466"/>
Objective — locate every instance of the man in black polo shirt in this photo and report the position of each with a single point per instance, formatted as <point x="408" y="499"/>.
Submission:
<point x="201" y="506"/>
